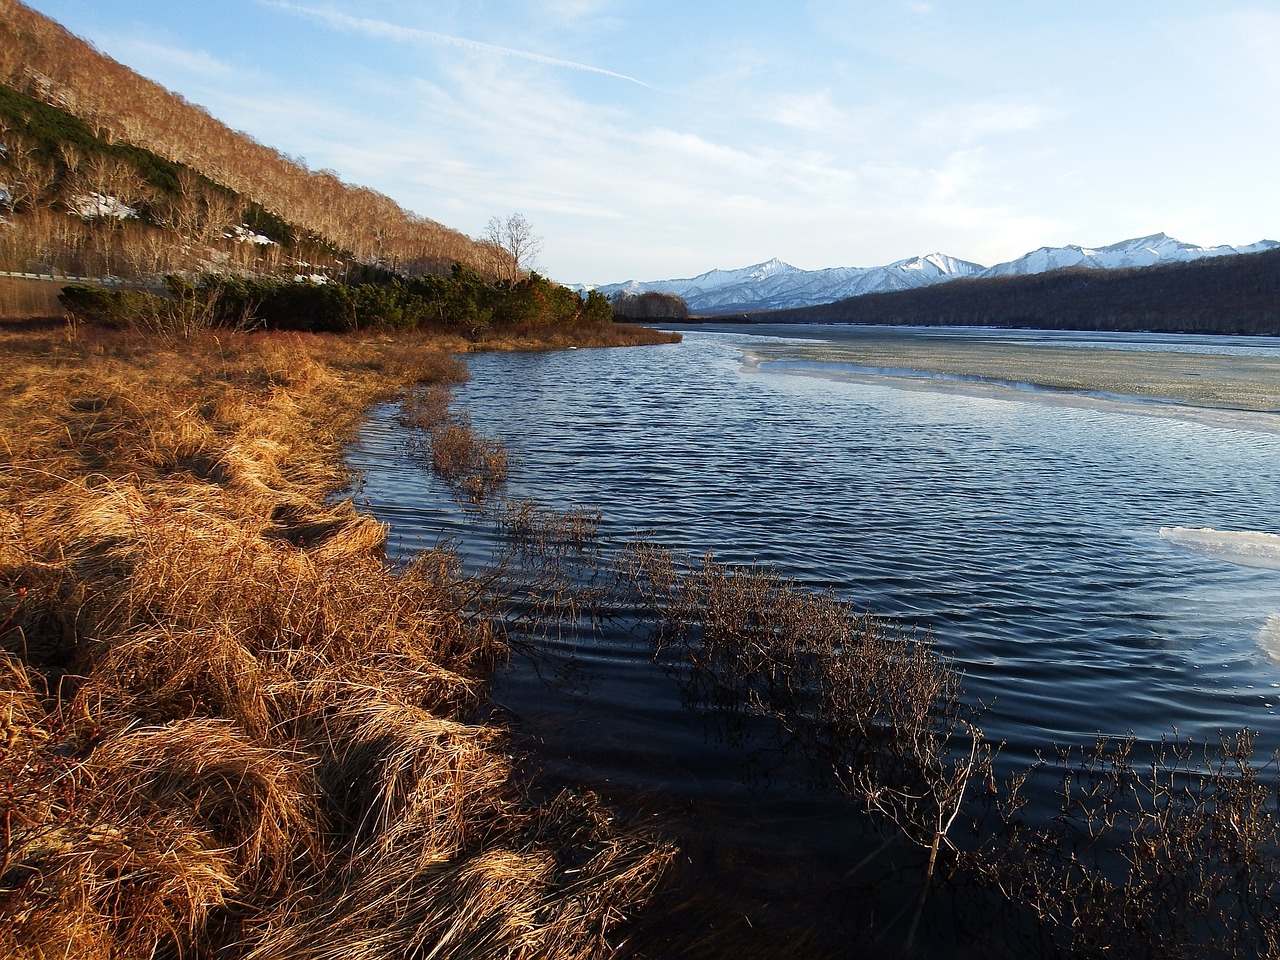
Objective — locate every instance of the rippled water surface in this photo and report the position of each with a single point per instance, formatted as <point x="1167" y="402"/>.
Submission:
<point x="1026" y="535"/>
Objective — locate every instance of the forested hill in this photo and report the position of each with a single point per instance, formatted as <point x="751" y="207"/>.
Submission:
<point x="40" y="58"/>
<point x="1228" y="295"/>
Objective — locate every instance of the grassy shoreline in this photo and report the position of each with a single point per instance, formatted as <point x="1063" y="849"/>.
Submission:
<point x="228" y="726"/>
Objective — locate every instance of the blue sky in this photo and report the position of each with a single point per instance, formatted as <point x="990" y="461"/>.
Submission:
<point x="648" y="140"/>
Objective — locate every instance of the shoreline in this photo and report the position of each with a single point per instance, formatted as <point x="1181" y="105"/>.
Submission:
<point x="220" y="697"/>
<point x="1241" y="391"/>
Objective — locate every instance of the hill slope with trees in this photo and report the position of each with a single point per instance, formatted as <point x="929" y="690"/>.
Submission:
<point x="119" y="109"/>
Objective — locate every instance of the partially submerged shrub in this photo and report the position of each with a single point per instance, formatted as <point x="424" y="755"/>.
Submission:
<point x="873" y="704"/>
<point x="467" y="461"/>
<point x="1172" y="855"/>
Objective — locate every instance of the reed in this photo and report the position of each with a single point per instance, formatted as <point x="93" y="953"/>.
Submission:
<point x="229" y="726"/>
<point x="23" y="297"/>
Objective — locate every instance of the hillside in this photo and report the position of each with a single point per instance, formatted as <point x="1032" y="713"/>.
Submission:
<point x="1229" y="295"/>
<point x="118" y="109"/>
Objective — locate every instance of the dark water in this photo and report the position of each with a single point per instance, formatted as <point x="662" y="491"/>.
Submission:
<point x="1025" y="535"/>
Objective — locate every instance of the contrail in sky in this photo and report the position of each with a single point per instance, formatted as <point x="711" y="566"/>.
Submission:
<point x="380" y="28"/>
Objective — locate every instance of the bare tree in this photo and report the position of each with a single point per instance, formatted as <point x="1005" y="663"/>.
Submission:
<point x="108" y="191"/>
<point x="513" y="244"/>
<point x="25" y="175"/>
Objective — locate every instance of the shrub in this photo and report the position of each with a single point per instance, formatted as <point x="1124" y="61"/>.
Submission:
<point x="109" y="307"/>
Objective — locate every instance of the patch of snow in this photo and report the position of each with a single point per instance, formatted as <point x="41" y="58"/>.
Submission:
<point x="92" y="206"/>
<point x="245" y="234"/>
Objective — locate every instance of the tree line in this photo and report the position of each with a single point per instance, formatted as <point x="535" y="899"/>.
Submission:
<point x="464" y="302"/>
<point x="650" y="306"/>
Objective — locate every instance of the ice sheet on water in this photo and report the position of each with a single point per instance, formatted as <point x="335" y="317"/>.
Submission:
<point x="1269" y="638"/>
<point x="1248" y="548"/>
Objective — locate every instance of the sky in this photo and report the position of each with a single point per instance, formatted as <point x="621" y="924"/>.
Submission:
<point x="657" y="140"/>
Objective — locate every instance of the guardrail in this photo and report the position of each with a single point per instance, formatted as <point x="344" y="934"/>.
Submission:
<point x="69" y="278"/>
<point x="58" y="278"/>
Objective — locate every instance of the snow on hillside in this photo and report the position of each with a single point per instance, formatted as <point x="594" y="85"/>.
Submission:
<point x="776" y="285"/>
<point x="1142" y="252"/>
<point x="246" y="234"/>
<point x="90" y="206"/>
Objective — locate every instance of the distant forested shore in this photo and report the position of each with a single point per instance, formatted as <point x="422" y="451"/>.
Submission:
<point x="1237" y="295"/>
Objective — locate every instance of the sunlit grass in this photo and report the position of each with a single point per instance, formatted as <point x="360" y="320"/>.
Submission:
<point x="228" y="724"/>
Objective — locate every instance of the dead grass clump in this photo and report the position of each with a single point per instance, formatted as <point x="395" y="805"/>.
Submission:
<point x="467" y="461"/>
<point x="427" y="408"/>
<point x="404" y="777"/>
<point x="165" y="676"/>
<point x="79" y="869"/>
<point x="258" y="803"/>
<point x="23" y="297"/>
<point x="546" y="532"/>
<point x="226" y="724"/>
<point x="147" y="832"/>
<point x="561" y="891"/>
<point x="551" y="571"/>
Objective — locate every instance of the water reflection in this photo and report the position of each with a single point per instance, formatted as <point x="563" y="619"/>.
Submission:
<point x="1025" y="536"/>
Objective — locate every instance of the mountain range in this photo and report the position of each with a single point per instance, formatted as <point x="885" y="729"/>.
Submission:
<point x="776" y="285"/>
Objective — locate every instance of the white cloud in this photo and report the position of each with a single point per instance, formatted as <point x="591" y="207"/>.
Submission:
<point x="576" y="10"/>
<point x="969" y="123"/>
<point x="163" y="56"/>
<point x="390" y="31"/>
<point x="814" y="112"/>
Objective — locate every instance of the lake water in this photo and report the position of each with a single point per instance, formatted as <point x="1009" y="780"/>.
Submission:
<point x="1092" y="567"/>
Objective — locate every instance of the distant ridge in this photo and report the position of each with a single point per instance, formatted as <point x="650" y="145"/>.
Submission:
<point x="776" y="285"/>
<point x="1209" y="294"/>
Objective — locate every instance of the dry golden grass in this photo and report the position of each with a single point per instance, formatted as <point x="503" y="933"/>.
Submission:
<point x="227" y="724"/>
<point x="21" y="297"/>
<point x="588" y="335"/>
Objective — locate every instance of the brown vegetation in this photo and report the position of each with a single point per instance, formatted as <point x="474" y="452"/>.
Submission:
<point x="228" y="725"/>
<point x="20" y="297"/>
<point x="39" y="57"/>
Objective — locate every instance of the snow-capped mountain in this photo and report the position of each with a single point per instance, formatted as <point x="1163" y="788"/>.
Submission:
<point x="1142" y="252"/>
<point x="775" y="285"/>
